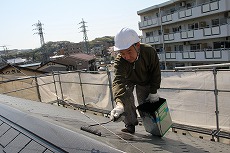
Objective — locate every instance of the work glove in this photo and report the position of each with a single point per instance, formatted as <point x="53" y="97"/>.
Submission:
<point x="152" y="98"/>
<point x="116" y="113"/>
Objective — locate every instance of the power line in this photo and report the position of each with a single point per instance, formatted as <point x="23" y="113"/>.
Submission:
<point x="40" y="33"/>
<point x="85" y="38"/>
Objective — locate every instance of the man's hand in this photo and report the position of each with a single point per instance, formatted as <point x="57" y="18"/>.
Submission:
<point x="116" y="112"/>
<point x="152" y="98"/>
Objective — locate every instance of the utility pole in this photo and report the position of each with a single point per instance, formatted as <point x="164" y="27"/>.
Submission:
<point x="85" y="38"/>
<point x="40" y="33"/>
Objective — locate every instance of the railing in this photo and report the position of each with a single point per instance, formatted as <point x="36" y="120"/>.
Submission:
<point x="213" y="68"/>
<point x="37" y="87"/>
<point x="214" y="31"/>
<point x="83" y="90"/>
<point x="215" y="55"/>
<point x="181" y="12"/>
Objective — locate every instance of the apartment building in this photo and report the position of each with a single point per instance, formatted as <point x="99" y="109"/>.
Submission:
<point x="187" y="33"/>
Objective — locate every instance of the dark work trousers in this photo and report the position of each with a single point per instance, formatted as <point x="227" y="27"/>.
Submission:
<point x="142" y="93"/>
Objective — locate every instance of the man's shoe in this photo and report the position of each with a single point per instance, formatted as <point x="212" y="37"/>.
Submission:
<point x="129" y="129"/>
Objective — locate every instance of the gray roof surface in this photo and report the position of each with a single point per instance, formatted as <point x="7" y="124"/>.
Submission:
<point x="29" y="126"/>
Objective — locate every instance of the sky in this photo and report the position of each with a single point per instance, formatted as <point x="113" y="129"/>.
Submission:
<point x="61" y="18"/>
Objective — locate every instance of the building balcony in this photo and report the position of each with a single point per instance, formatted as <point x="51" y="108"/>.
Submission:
<point x="190" y="35"/>
<point x="209" y="55"/>
<point x="149" y="23"/>
<point x="186" y="13"/>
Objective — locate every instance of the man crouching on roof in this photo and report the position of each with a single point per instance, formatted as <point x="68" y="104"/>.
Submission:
<point x="135" y="65"/>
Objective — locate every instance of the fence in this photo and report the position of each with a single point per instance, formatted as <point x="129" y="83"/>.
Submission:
<point x="197" y="96"/>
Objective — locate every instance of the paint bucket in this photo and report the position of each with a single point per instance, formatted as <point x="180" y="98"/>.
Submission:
<point x="155" y="117"/>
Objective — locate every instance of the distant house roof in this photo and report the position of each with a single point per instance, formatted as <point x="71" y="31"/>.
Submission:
<point x="29" y="65"/>
<point x="73" y="58"/>
<point x="82" y="56"/>
<point x="56" y="56"/>
<point x="19" y="69"/>
<point x="16" y="60"/>
<point x="66" y="63"/>
<point x="49" y="62"/>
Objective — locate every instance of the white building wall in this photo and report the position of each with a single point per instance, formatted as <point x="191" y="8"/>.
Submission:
<point x="205" y="35"/>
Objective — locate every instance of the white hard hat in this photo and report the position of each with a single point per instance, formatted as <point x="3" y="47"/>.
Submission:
<point x="125" y="38"/>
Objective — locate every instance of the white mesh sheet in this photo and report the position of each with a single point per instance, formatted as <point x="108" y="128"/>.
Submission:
<point x="190" y="95"/>
<point x="79" y="88"/>
<point x="197" y="107"/>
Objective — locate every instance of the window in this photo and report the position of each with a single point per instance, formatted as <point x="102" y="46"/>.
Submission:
<point x="176" y="29"/>
<point x="190" y="26"/>
<point x="202" y="24"/>
<point x="223" y="44"/>
<point x="178" y="48"/>
<point x="215" y="22"/>
<point x="146" y="18"/>
<point x="223" y="21"/>
<point x="157" y="14"/>
<point x="172" y="10"/>
<point x="189" y="5"/>
<point x="149" y="34"/>
<point x="193" y="26"/>
<point x="195" y="47"/>
<point x="159" y="32"/>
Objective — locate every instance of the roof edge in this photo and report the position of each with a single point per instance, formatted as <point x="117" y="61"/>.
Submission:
<point x="156" y="6"/>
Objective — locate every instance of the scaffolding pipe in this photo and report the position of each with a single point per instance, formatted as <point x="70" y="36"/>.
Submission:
<point x="55" y="88"/>
<point x="59" y="80"/>
<point x="110" y="86"/>
<point x="216" y="103"/>
<point x="82" y="93"/>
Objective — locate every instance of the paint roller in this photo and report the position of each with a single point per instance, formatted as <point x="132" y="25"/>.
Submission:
<point x="95" y="131"/>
